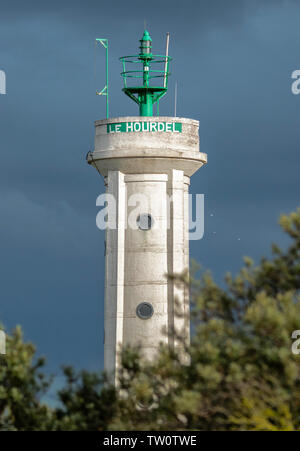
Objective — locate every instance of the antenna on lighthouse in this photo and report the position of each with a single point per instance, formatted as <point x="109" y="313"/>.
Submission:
<point x="167" y="54"/>
<point x="175" y="100"/>
<point x="104" y="91"/>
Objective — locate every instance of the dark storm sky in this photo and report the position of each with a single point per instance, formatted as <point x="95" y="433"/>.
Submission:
<point x="233" y="62"/>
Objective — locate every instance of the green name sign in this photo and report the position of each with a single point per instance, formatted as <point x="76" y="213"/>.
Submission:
<point x="136" y="127"/>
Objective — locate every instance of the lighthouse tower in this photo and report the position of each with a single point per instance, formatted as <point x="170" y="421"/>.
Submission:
<point x="146" y="162"/>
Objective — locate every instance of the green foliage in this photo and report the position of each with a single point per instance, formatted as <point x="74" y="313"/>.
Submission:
<point x="87" y="402"/>
<point x="22" y="385"/>
<point x="238" y="373"/>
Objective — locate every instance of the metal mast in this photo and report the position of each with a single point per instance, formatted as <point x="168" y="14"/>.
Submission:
<point x="104" y="91"/>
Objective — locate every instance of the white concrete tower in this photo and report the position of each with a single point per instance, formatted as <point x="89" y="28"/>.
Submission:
<point x="146" y="163"/>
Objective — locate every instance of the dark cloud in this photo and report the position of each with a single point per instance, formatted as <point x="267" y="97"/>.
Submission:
<point x="233" y="62"/>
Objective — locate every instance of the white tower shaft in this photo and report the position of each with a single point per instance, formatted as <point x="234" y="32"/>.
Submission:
<point x="147" y="175"/>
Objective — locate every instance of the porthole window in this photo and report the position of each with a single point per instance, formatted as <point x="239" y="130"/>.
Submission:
<point x="145" y="221"/>
<point x="144" y="310"/>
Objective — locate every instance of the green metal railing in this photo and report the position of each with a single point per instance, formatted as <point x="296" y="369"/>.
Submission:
<point x="146" y="95"/>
